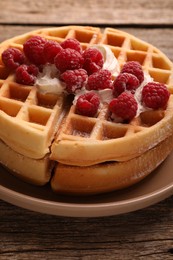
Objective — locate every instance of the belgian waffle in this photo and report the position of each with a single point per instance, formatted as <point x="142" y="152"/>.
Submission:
<point x="109" y="176"/>
<point x="98" y="139"/>
<point x="28" y="118"/>
<point x="43" y="127"/>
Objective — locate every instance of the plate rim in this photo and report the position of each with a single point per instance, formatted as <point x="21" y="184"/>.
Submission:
<point x="71" y="209"/>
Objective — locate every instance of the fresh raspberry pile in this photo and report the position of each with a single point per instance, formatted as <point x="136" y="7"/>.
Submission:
<point x="155" y="95"/>
<point x="123" y="82"/>
<point x="135" y="68"/>
<point x="124" y="106"/>
<point x="51" y="49"/>
<point x="72" y="44"/>
<point x="26" y="74"/>
<point x="68" y="59"/>
<point x="83" y="71"/>
<point x="34" y="50"/>
<point x="13" y="58"/>
<point x="74" y="80"/>
<point x="88" y="104"/>
<point x="93" y="60"/>
<point x="101" y="79"/>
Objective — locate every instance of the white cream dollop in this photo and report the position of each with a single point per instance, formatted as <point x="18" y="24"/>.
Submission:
<point x="138" y="93"/>
<point x="105" y="95"/>
<point x="48" y="82"/>
<point x="111" y="64"/>
<point x="110" y="61"/>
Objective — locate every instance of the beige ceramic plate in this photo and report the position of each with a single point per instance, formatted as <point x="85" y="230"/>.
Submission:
<point x="154" y="188"/>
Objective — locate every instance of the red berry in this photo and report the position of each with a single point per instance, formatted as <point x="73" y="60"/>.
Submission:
<point x="123" y="82"/>
<point x="72" y="44"/>
<point x="124" y="106"/>
<point x="93" y="60"/>
<point x="12" y="58"/>
<point x="26" y="74"/>
<point x="51" y="49"/>
<point x="74" y="79"/>
<point x="155" y="95"/>
<point x="99" y="80"/>
<point x="87" y="104"/>
<point x="135" y="68"/>
<point x="34" y="50"/>
<point x="68" y="59"/>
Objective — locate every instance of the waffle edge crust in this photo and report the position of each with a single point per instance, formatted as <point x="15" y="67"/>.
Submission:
<point x="43" y="139"/>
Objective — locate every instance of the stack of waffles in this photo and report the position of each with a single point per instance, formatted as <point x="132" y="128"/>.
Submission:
<point x="43" y="139"/>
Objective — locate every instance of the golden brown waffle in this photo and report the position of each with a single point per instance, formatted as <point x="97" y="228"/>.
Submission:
<point x="34" y="171"/>
<point x="127" y="47"/>
<point x="98" y="139"/>
<point x="28" y="118"/>
<point x="109" y="176"/>
<point x="35" y="125"/>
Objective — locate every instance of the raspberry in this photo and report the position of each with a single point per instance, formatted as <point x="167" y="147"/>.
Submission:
<point x="68" y="59"/>
<point x="51" y="49"/>
<point x="135" y="68"/>
<point x="123" y="82"/>
<point x="12" y="58"/>
<point x="99" y="80"/>
<point x="88" y="104"/>
<point x="125" y="106"/>
<point x="72" y="44"/>
<point x="74" y="79"/>
<point x="34" y="50"/>
<point x="26" y="74"/>
<point x="93" y="60"/>
<point x="155" y="95"/>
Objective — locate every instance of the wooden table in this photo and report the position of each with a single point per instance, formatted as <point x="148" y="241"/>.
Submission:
<point x="144" y="234"/>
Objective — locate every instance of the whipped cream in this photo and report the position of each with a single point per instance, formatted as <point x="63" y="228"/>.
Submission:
<point x="138" y="94"/>
<point x="111" y="64"/>
<point x="110" y="61"/>
<point x="48" y="82"/>
<point x="138" y="98"/>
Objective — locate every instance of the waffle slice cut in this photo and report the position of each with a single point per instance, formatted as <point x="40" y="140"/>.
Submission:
<point x="109" y="176"/>
<point x="98" y="139"/>
<point x="36" y="128"/>
<point x="29" y="119"/>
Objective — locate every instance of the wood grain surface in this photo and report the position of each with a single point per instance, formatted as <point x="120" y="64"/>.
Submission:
<point x="144" y="234"/>
<point x="89" y="11"/>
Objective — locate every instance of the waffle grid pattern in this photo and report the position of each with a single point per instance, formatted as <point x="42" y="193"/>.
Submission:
<point x="82" y="134"/>
<point x="41" y="113"/>
<point x="101" y="127"/>
<point x="33" y="111"/>
<point x="125" y="48"/>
